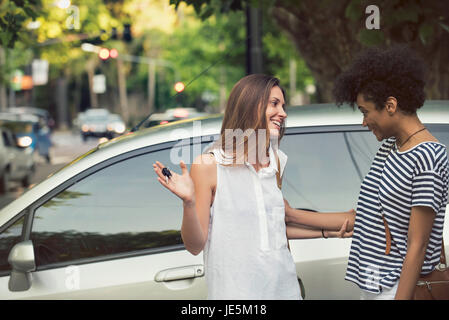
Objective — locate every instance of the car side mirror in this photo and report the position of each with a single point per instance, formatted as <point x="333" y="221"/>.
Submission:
<point x="21" y="259"/>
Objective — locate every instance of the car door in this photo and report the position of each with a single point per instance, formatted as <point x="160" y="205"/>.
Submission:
<point x="21" y="158"/>
<point x="4" y="159"/>
<point x="113" y="232"/>
<point x="11" y="153"/>
<point x="324" y="171"/>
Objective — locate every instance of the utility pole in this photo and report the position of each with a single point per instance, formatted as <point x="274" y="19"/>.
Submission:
<point x="151" y="85"/>
<point x="3" y="93"/>
<point x="254" y="63"/>
<point x="292" y="71"/>
<point x="61" y="101"/>
<point x="222" y="100"/>
<point x="90" y="74"/>
<point x="152" y="63"/>
<point x="123" y="96"/>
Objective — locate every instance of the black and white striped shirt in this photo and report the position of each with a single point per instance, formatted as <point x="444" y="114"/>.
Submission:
<point x="396" y="182"/>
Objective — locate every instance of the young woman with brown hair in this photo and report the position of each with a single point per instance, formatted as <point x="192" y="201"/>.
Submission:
<point x="233" y="206"/>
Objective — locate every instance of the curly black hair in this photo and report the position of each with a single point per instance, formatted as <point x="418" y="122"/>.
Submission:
<point x="381" y="73"/>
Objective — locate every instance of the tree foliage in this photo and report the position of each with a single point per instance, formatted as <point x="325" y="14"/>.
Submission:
<point x="209" y="55"/>
<point x="328" y="34"/>
<point x="13" y="17"/>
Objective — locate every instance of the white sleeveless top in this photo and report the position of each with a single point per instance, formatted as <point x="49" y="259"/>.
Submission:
<point x="246" y="254"/>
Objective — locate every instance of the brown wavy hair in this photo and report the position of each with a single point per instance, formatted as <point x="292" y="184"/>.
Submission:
<point x="246" y="109"/>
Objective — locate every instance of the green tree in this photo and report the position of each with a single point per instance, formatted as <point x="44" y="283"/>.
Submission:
<point x="220" y="41"/>
<point x="211" y="53"/>
<point x="328" y="34"/>
<point x="14" y="14"/>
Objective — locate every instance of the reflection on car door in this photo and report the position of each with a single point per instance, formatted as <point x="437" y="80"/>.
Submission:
<point x="324" y="171"/>
<point x="114" y="234"/>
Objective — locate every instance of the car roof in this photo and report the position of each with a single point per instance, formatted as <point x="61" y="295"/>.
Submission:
<point x="32" y="110"/>
<point x="298" y="116"/>
<point x="325" y="114"/>
<point x="96" y="111"/>
<point x="18" y="117"/>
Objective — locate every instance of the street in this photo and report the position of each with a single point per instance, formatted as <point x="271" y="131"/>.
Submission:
<point x="66" y="147"/>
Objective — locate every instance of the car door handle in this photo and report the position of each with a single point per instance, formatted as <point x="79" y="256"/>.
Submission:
<point x="180" y="273"/>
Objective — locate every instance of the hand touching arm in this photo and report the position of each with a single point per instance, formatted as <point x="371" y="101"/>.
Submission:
<point x="303" y="232"/>
<point x="319" y="220"/>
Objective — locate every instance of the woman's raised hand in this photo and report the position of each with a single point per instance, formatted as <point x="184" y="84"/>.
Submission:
<point x="180" y="185"/>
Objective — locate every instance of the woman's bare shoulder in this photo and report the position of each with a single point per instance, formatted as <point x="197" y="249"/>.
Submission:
<point x="206" y="161"/>
<point x="204" y="166"/>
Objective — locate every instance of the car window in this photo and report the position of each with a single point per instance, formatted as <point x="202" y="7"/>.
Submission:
<point x="119" y="209"/>
<point x="8" y="238"/>
<point x="324" y="170"/>
<point x="18" y="127"/>
<point x="441" y="132"/>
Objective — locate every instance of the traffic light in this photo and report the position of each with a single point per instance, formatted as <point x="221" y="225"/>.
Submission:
<point x="114" y="34"/>
<point x="113" y="53"/>
<point x="179" y="86"/>
<point x="105" y="53"/>
<point x="127" y="36"/>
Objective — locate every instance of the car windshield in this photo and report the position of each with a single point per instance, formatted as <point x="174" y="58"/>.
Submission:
<point x="115" y="118"/>
<point x="96" y="119"/>
<point x="18" y="127"/>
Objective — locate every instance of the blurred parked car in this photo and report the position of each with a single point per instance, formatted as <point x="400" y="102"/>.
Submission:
<point x="104" y="228"/>
<point x="42" y="114"/>
<point x="171" y="115"/>
<point x="116" y="125"/>
<point x="94" y="123"/>
<point x="24" y="126"/>
<point x="16" y="160"/>
<point x="29" y="127"/>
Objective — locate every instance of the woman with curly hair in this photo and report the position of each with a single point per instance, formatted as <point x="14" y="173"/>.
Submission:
<point x="398" y="230"/>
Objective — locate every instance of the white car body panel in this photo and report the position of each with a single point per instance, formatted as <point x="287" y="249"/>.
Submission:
<point x="321" y="263"/>
<point x="130" y="278"/>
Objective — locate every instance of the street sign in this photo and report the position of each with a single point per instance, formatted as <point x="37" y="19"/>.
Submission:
<point x="16" y="81"/>
<point x="40" y="72"/>
<point x="99" y="85"/>
<point x="27" y="83"/>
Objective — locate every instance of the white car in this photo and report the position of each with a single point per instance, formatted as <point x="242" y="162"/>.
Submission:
<point x="94" y="123"/>
<point x="104" y="228"/>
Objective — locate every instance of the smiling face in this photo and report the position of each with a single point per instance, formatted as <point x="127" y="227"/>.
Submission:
<point x="379" y="122"/>
<point x="275" y="113"/>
